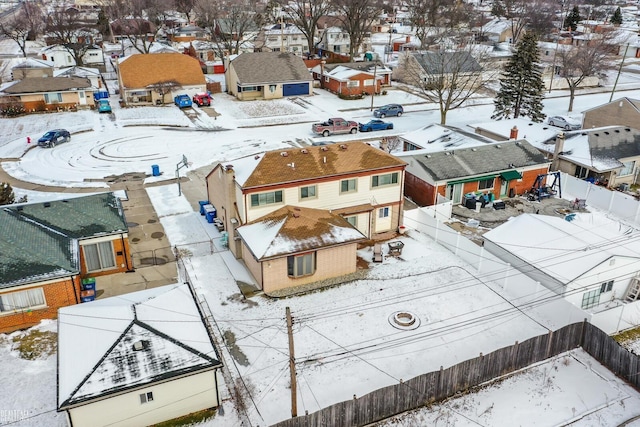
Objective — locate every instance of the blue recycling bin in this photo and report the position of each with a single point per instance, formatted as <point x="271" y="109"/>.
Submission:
<point x="209" y="213"/>
<point x="87" y="296"/>
<point x="89" y="284"/>
<point x="155" y="170"/>
<point x="202" y="203"/>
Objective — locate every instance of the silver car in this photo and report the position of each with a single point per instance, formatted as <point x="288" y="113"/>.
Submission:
<point x="566" y="123"/>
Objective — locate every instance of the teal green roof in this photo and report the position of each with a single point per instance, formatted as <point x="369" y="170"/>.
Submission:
<point x="78" y="217"/>
<point x="39" y="242"/>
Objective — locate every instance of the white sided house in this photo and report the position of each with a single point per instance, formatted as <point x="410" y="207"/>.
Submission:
<point x="591" y="261"/>
<point x="136" y="360"/>
<point x="361" y="183"/>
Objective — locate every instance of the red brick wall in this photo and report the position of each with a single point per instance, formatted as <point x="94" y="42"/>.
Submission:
<point x="123" y="261"/>
<point x="420" y="192"/>
<point x="59" y="294"/>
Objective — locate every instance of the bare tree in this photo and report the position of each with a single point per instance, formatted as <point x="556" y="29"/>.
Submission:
<point x="517" y="12"/>
<point x="164" y="87"/>
<point x="305" y="14"/>
<point x="356" y="16"/>
<point x="227" y="23"/>
<point x="576" y="63"/>
<point x="185" y="7"/>
<point x="137" y="21"/>
<point x="446" y="78"/>
<point x="23" y="25"/>
<point x="64" y="28"/>
<point x="433" y="20"/>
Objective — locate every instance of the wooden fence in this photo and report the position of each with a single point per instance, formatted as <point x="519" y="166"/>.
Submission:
<point x="436" y="386"/>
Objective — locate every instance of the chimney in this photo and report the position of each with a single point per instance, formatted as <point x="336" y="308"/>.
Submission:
<point x="384" y="144"/>
<point x="514" y="133"/>
<point x="558" y="150"/>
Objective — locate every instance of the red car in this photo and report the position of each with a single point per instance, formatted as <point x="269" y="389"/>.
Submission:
<point x="202" y="99"/>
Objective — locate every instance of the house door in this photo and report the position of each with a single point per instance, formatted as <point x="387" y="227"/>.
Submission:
<point x="504" y="185"/>
<point x="82" y="99"/>
<point x="455" y="193"/>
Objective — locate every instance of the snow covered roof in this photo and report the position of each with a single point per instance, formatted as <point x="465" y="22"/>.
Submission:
<point x="564" y="249"/>
<point x="599" y="149"/>
<point x="535" y="133"/>
<point x="124" y="342"/>
<point x="496" y="26"/>
<point x="35" y="63"/>
<point x="291" y="230"/>
<point x="294" y="165"/>
<point x="436" y="137"/>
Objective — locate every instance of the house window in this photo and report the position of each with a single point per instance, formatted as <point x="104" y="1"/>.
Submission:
<point x="386" y="179"/>
<point x="606" y="286"/>
<point x="590" y="299"/>
<point x="248" y="88"/>
<point x="99" y="256"/>
<point x="353" y="220"/>
<point x="301" y="265"/>
<point x="368" y="82"/>
<point x="383" y="212"/>
<point x="348" y="185"/>
<point x="52" y="98"/>
<point x="628" y="168"/>
<point x="29" y="298"/>
<point x="146" y="397"/>
<point x="308" y="192"/>
<point x="326" y="79"/>
<point x="266" y="198"/>
<point x="485" y="184"/>
<point x="353" y="83"/>
<point x="581" y="172"/>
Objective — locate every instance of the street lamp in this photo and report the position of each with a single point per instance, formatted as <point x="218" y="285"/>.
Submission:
<point x="181" y="164"/>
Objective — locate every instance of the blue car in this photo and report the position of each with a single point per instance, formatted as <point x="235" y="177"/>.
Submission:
<point x="182" y="101"/>
<point x="374" y="124"/>
<point x="104" y="106"/>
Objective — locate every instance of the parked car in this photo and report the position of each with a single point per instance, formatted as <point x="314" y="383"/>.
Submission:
<point x="202" y="99"/>
<point x="388" y="110"/>
<point x="182" y="101"/>
<point x="334" y="125"/>
<point x="566" y="123"/>
<point x="104" y="106"/>
<point x="53" y="137"/>
<point x="375" y="124"/>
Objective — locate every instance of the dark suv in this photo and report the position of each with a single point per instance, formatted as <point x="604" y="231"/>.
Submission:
<point x="53" y="137"/>
<point x="388" y="110"/>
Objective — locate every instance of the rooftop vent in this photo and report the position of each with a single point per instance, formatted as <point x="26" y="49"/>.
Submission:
<point x="229" y="167"/>
<point x="596" y="134"/>
<point x="140" y="345"/>
<point x="343" y="146"/>
<point x="606" y="133"/>
<point x="256" y="157"/>
<point x="323" y="148"/>
<point x="19" y="208"/>
<point x="47" y="204"/>
<point x="304" y="151"/>
<point x="284" y="154"/>
<point x="628" y="130"/>
<point x="617" y="131"/>
<point x="498" y="146"/>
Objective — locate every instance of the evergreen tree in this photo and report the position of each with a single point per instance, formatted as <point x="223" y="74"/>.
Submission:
<point x="6" y="194"/>
<point x="572" y="19"/>
<point x="521" y="85"/>
<point x="616" y="19"/>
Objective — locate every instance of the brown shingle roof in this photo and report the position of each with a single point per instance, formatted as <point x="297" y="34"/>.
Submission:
<point x="142" y="70"/>
<point x="48" y="84"/>
<point x="302" y="229"/>
<point x="318" y="162"/>
<point x="270" y="67"/>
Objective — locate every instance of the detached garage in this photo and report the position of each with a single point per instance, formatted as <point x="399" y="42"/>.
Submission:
<point x="268" y="75"/>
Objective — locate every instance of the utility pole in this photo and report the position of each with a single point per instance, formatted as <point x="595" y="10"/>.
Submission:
<point x="292" y="367"/>
<point x="619" y="71"/>
<point x="375" y="83"/>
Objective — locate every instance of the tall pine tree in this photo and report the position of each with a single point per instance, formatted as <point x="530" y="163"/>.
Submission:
<point x="572" y="19"/>
<point x="521" y="85"/>
<point x="616" y="19"/>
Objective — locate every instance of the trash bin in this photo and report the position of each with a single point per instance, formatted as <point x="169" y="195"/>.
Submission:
<point x="209" y="213"/>
<point x="155" y="170"/>
<point x="202" y="203"/>
<point x="89" y="284"/>
<point x="512" y="192"/>
<point x="87" y="296"/>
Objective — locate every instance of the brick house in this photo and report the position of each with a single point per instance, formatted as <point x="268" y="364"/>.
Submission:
<point x="503" y="169"/>
<point x="352" y="78"/>
<point x="324" y="245"/>
<point x="361" y="183"/>
<point x="47" y="248"/>
<point x="138" y="74"/>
